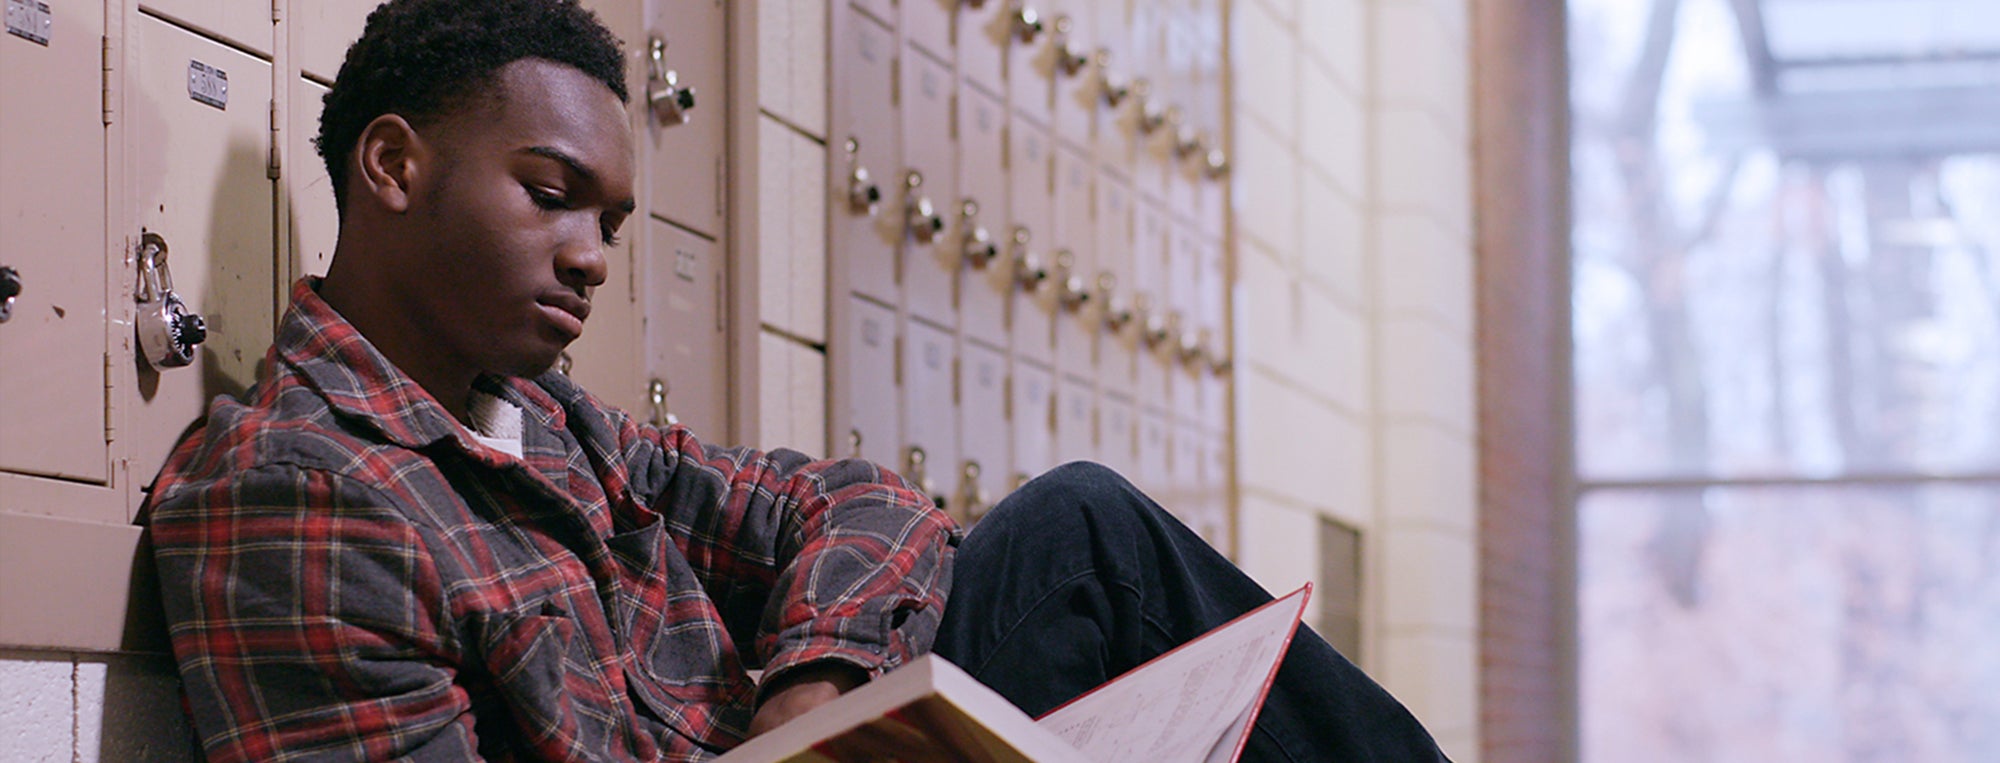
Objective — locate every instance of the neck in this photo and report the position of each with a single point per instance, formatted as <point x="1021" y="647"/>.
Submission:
<point x="370" y="306"/>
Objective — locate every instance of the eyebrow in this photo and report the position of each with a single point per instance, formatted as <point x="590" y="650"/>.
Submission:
<point x="575" y="165"/>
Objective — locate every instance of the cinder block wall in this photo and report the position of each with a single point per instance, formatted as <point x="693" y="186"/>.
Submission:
<point x="1352" y="235"/>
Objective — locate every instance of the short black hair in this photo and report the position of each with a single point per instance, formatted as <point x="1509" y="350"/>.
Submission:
<point x="420" y="59"/>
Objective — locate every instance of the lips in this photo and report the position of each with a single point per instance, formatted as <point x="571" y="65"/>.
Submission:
<point x="567" y="310"/>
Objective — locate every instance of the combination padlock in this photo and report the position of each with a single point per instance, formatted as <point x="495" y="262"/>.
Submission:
<point x="168" y="331"/>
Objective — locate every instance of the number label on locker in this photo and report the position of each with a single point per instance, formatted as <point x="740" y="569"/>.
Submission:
<point x="205" y="193"/>
<point x="930" y="421"/>
<point x="52" y="407"/>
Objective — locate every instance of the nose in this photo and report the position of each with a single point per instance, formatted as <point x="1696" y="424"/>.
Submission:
<point x="581" y="265"/>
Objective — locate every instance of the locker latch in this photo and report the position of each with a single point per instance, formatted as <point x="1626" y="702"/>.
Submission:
<point x="919" y="214"/>
<point x="670" y="102"/>
<point x="1153" y="114"/>
<point x="1117" y="309"/>
<point x="1069" y="59"/>
<point x="168" y="331"/>
<point x="1070" y="289"/>
<point x="10" y="287"/>
<point x="1027" y="23"/>
<point x="976" y="499"/>
<point x="1154" y="325"/>
<point x="918" y="472"/>
<point x="656" y="396"/>
<point x="1028" y="269"/>
<point x="862" y="193"/>
<point x="979" y="248"/>
<point x="1112" y="87"/>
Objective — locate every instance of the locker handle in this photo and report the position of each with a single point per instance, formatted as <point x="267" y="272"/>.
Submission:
<point x="10" y="287"/>
<point x="1188" y="141"/>
<point x="656" y="396"/>
<point x="669" y="101"/>
<point x="919" y="474"/>
<point x="1153" y="115"/>
<point x="1028" y="269"/>
<point x="1154" y="325"/>
<point x="1069" y="60"/>
<point x="863" y="195"/>
<point x="1188" y="345"/>
<point x="1071" y="292"/>
<point x="1112" y="87"/>
<point x="168" y="331"/>
<point x="1117" y="309"/>
<point x="976" y="499"/>
<point x="1215" y="164"/>
<point x="978" y="246"/>
<point x="919" y="214"/>
<point x="1027" y="24"/>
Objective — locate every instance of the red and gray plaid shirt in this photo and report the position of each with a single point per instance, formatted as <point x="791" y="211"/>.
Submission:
<point x="348" y="574"/>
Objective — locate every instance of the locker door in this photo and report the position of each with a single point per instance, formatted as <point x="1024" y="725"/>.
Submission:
<point x="927" y="24"/>
<point x="1152" y="93"/>
<point x="1183" y="270"/>
<point x="1213" y="288"/>
<point x="52" y="238"/>
<point x="867" y="419"/>
<point x="244" y="22"/>
<point x="1215" y="475"/>
<point x="1032" y="416"/>
<point x="1117" y="433"/>
<point x="862" y="161"/>
<point x="1116" y="129"/>
<point x="1117" y="340"/>
<point x="983" y="182"/>
<point x="1076" y="421"/>
<point x="1072" y="45"/>
<point x="930" y="453"/>
<point x="1149" y="299"/>
<point x="685" y="159"/>
<point x="321" y="31"/>
<point x="1154" y="451"/>
<point x="1074" y="274"/>
<point x="1029" y="193"/>
<point x="983" y="433"/>
<point x="196" y="175"/>
<point x="1030" y="58"/>
<point x="984" y="34"/>
<point x="930" y="263"/>
<point x="315" y="223"/>
<point x="686" y="329"/>
<point x="1192" y="492"/>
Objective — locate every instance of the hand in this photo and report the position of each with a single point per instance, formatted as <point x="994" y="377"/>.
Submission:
<point x="802" y="689"/>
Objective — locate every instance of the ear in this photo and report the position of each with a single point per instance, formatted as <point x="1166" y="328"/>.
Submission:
<point x="393" y="158"/>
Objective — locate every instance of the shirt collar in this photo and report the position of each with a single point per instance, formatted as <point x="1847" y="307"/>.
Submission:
<point x="358" y="381"/>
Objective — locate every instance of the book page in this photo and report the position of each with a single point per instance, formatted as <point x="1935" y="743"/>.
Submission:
<point x="1192" y="704"/>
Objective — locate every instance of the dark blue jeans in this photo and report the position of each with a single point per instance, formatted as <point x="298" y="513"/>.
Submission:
<point x="1078" y="577"/>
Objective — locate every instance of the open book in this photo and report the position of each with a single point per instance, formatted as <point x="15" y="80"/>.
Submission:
<point x="1194" y="704"/>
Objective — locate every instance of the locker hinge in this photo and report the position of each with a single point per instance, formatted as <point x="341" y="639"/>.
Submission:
<point x="954" y="115"/>
<point x="107" y="53"/>
<point x="957" y="379"/>
<point x="1007" y="391"/>
<point x="896" y="77"/>
<point x="275" y="167"/>
<point x="721" y="304"/>
<point x="110" y="421"/>
<point x="898" y="353"/>
<point x="1006" y="146"/>
<point x="721" y="186"/>
<point x="277" y="11"/>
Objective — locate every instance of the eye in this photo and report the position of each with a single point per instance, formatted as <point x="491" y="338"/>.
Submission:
<point x="610" y="232"/>
<point x="545" y="198"/>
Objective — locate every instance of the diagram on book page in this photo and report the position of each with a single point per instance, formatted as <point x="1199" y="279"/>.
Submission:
<point x="1190" y="705"/>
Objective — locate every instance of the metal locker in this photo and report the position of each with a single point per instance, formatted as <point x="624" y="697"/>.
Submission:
<point x="1032" y="417"/>
<point x="1216" y="476"/>
<point x="1216" y="355"/>
<point x="1072" y="50"/>
<point x="930" y="418"/>
<point x="686" y="331"/>
<point x="315" y="223"/>
<point x="1029" y="244"/>
<point x="926" y="192"/>
<point x="862" y="161"/>
<point x="927" y="24"/>
<point x="1150" y="100"/>
<point x="198" y="147"/>
<point x="1195" y="494"/>
<point x="1117" y="433"/>
<point x="1030" y="58"/>
<point x="53" y="250"/>
<point x="1182" y="349"/>
<point x="246" y="23"/>
<point x="1153" y="452"/>
<point x="1075" y="264"/>
<point x="686" y="135"/>
<point x="322" y="30"/>
<point x="1115" y="65"/>
<point x="982" y="230"/>
<point x="1117" y="343"/>
<point x="1076" y="421"/>
<point x="984" y="438"/>
<point x="1151" y="374"/>
<point x="867" y="419"/>
<point x="984" y="32"/>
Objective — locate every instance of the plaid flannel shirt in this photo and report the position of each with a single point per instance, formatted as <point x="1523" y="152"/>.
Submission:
<point x="348" y="574"/>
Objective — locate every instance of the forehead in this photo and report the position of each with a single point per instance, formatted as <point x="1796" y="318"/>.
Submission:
<point x="534" y="102"/>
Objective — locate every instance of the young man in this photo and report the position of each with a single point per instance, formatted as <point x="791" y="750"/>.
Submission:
<point x="411" y="540"/>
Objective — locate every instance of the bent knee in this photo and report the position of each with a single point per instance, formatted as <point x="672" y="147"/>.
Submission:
<point x="1063" y="494"/>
